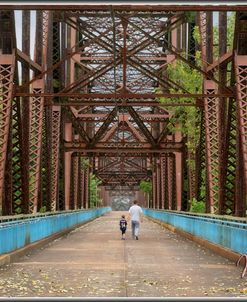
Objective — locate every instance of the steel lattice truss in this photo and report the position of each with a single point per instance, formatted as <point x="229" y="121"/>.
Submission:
<point x="85" y="100"/>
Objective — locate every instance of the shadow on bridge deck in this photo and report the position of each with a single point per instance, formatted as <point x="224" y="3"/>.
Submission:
<point x="93" y="261"/>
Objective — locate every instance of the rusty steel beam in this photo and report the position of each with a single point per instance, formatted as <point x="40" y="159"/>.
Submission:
<point x="25" y="59"/>
<point x="224" y="59"/>
<point x="66" y="56"/>
<point x="56" y="117"/>
<point x="171" y="48"/>
<point x="25" y="116"/>
<point x="122" y="103"/>
<point x="35" y="147"/>
<point x="142" y="126"/>
<point x="223" y="203"/>
<point x="7" y="68"/>
<point x="128" y="8"/>
<point x="118" y="148"/>
<point x="126" y="95"/>
<point x="37" y="111"/>
<point x="211" y="114"/>
<point x="77" y="125"/>
<point x="103" y="128"/>
<point x="241" y="80"/>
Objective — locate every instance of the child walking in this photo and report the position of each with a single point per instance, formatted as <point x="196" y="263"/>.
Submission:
<point x="123" y="226"/>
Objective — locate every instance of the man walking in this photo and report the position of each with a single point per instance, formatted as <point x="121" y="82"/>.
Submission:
<point x="135" y="214"/>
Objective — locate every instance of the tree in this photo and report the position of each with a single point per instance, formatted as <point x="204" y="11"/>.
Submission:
<point x="185" y="119"/>
<point x="146" y="188"/>
<point x="94" y="183"/>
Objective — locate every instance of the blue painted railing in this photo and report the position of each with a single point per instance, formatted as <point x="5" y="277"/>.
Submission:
<point x="16" y="234"/>
<point x="229" y="234"/>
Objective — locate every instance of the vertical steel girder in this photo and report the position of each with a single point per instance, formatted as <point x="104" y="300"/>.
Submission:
<point x="171" y="166"/>
<point x="164" y="182"/>
<point x="241" y="84"/>
<point x="212" y="145"/>
<point x="8" y="186"/>
<point x="7" y="69"/>
<point x="56" y="118"/>
<point x="154" y="188"/>
<point x="24" y="114"/>
<point x="163" y="169"/>
<point x="61" y="167"/>
<point x="80" y="184"/>
<point x="74" y="182"/>
<point x="86" y="188"/>
<point x="158" y="189"/>
<point x="36" y="119"/>
<point x="19" y="157"/>
<point x="222" y="116"/>
<point x="192" y="176"/>
<point x="201" y="163"/>
<point x="185" y="194"/>
<point x="36" y="116"/>
<point x="67" y="165"/>
<point x="211" y="115"/>
<point x="230" y="196"/>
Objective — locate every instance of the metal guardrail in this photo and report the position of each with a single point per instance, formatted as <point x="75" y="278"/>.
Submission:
<point x="18" y="233"/>
<point x="36" y="215"/>
<point x="228" y="233"/>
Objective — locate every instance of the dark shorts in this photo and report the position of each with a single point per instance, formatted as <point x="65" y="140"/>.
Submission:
<point x="123" y="230"/>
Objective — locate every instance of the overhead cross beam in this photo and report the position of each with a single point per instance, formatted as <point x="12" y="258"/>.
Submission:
<point x="141" y="126"/>
<point x="76" y="123"/>
<point x="127" y="8"/>
<point x="103" y="128"/>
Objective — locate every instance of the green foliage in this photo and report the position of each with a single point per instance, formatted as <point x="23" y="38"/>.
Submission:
<point x="94" y="183"/>
<point x="42" y="209"/>
<point x="184" y="118"/>
<point x="18" y="210"/>
<point x="196" y="34"/>
<point x="146" y="186"/>
<point x="230" y="29"/>
<point x="190" y="16"/>
<point x="197" y="206"/>
<point x="85" y="163"/>
<point x="230" y="35"/>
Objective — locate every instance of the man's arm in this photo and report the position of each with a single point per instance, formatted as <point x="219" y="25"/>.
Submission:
<point x="129" y="216"/>
<point x="141" y="214"/>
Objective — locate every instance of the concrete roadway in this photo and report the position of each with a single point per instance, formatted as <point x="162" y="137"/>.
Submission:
<point x="93" y="261"/>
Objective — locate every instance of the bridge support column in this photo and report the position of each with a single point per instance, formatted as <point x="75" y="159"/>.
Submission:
<point x="179" y="173"/>
<point x="67" y="166"/>
<point x="74" y="182"/>
<point x="241" y="81"/>
<point x="56" y="117"/>
<point x="36" y="121"/>
<point x="211" y="114"/>
<point x="7" y="69"/>
<point x="155" y="184"/>
<point x="86" y="188"/>
<point x="212" y="145"/>
<point x="171" y="165"/>
<point x="158" y="183"/>
<point x="163" y="179"/>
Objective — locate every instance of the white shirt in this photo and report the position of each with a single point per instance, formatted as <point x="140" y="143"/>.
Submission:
<point x="135" y="212"/>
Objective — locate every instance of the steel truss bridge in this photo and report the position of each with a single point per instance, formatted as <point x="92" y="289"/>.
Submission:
<point x="80" y="94"/>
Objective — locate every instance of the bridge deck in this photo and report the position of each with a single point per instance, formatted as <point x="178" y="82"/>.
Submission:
<point x="92" y="261"/>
